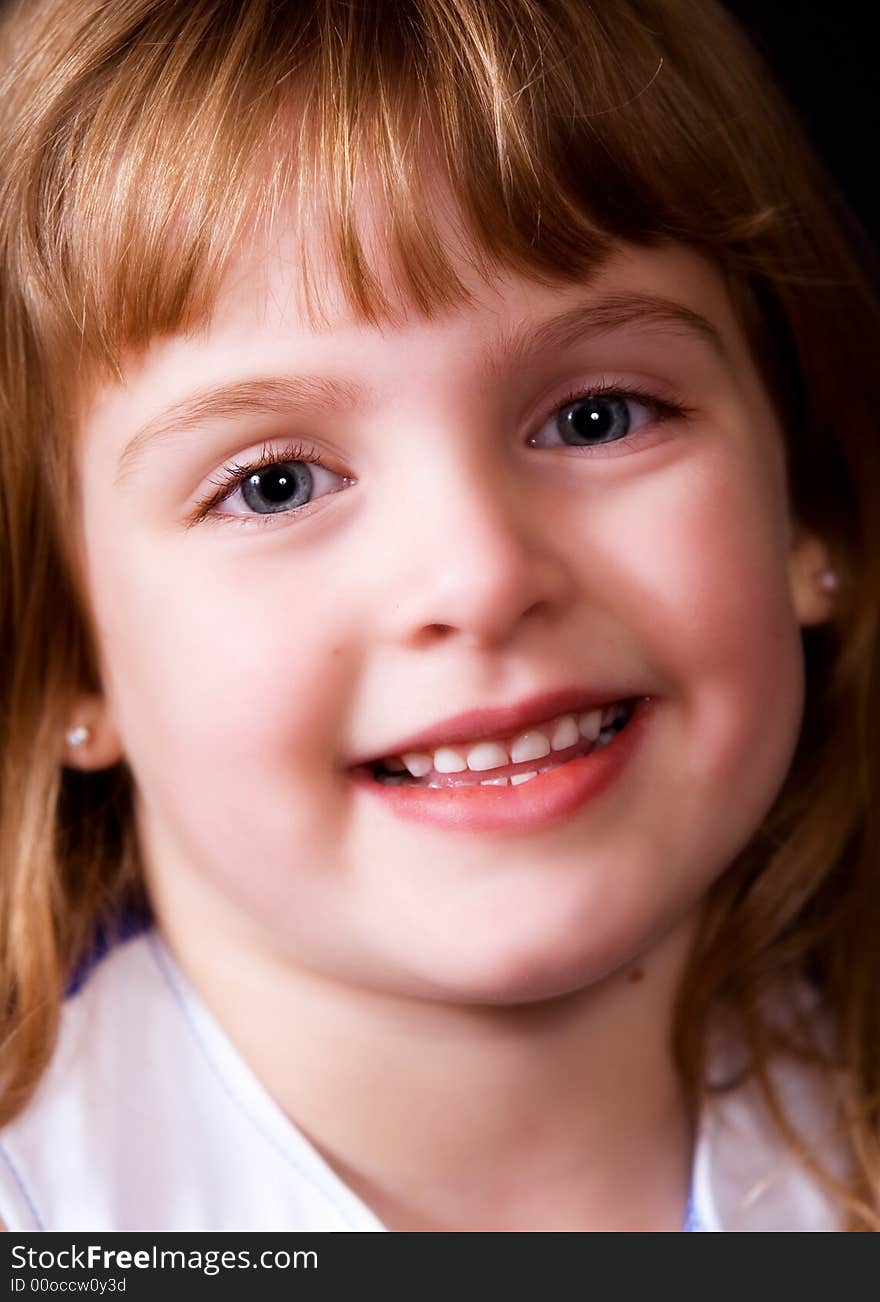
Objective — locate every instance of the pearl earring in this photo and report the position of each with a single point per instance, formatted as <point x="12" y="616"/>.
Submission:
<point x="79" y="735"/>
<point x="828" y="580"/>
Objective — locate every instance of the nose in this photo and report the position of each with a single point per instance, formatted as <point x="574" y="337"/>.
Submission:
<point x="482" y="555"/>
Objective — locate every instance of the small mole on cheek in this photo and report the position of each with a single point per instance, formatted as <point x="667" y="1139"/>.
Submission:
<point x="635" y="974"/>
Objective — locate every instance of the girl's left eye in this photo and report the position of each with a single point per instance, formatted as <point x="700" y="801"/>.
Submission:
<point x="592" y="418"/>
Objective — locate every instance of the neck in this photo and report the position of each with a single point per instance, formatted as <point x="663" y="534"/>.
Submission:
<point x="564" y="1114"/>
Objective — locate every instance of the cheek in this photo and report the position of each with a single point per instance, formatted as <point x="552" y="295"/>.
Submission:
<point x="712" y="603"/>
<point x="225" y="690"/>
<point x="214" y="645"/>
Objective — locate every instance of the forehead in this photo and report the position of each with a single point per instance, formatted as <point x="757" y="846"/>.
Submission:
<point x="293" y="273"/>
<point x="301" y="253"/>
<point x="290" y="272"/>
<point x="264" y="308"/>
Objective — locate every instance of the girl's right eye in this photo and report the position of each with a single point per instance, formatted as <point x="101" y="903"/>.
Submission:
<point x="279" y="481"/>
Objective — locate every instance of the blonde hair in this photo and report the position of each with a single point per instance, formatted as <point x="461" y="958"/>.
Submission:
<point x="144" y="140"/>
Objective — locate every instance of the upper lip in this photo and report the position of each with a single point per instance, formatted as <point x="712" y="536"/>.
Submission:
<point x="499" y="721"/>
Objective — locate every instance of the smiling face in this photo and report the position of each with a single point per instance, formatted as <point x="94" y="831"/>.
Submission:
<point x="472" y="538"/>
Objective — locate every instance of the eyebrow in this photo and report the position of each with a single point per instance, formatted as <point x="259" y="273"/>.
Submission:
<point x="650" y="312"/>
<point x="280" y="395"/>
<point x="285" y="395"/>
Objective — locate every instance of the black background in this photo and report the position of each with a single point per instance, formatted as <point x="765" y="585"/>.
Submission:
<point x="825" y="57"/>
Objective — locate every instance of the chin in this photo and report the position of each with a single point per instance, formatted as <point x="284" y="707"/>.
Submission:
<point x="586" y="949"/>
<point x="506" y="975"/>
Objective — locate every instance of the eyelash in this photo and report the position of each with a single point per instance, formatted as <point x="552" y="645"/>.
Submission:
<point x="664" y="408"/>
<point x="233" y="475"/>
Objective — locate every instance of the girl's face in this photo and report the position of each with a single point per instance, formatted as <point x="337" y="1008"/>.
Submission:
<point x="457" y="533"/>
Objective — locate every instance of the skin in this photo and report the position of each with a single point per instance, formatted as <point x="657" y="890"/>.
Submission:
<point x="464" y="1038"/>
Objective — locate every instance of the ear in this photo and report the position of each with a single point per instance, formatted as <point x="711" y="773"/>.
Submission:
<point x="99" y="745"/>
<point x="813" y="592"/>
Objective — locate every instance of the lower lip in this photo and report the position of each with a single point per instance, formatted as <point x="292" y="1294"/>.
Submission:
<point x="546" y="799"/>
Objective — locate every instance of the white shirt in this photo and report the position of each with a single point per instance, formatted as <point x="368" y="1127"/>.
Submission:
<point x="147" y="1119"/>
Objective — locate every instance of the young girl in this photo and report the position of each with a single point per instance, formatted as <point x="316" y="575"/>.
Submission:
<point x="441" y="555"/>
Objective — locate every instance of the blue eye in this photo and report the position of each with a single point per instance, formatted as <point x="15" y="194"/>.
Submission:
<point x="279" y="487"/>
<point x="602" y="419"/>
<point x="278" y="482"/>
<point x="604" y="415"/>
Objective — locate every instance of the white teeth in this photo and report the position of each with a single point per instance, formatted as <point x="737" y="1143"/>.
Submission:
<point x="565" y="733"/>
<point x="590" y="725"/>
<point x="447" y="760"/>
<point x="494" y="782"/>
<point x="522" y="777"/>
<point x="487" y="755"/>
<point x="560" y="734"/>
<point x="529" y="746"/>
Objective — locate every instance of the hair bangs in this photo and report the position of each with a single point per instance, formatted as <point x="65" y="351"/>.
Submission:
<point x="208" y="126"/>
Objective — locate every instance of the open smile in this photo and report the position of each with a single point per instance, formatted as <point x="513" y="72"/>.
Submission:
<point x="519" y="795"/>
